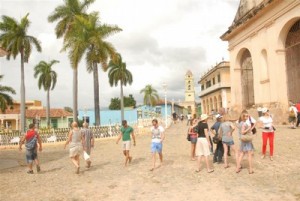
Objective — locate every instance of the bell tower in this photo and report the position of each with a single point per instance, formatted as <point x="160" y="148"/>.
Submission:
<point x="189" y="87"/>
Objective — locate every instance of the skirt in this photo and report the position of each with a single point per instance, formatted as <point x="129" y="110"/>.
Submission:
<point x="202" y="148"/>
<point x="76" y="150"/>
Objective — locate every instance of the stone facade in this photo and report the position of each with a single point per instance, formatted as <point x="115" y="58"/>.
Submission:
<point x="215" y="88"/>
<point x="264" y="47"/>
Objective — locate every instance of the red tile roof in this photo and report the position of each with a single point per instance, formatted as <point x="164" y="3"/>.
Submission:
<point x="32" y="113"/>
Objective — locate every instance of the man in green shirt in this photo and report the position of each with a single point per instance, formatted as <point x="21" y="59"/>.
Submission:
<point x="126" y="134"/>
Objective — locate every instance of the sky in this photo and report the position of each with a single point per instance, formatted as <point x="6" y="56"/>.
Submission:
<point x="161" y="40"/>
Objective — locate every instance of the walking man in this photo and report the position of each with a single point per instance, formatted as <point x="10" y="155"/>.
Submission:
<point x="126" y="134"/>
<point x="88" y="143"/>
<point x="32" y="138"/>
<point x="156" y="145"/>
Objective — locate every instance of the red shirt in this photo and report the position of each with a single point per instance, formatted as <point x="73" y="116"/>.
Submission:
<point x="298" y="107"/>
<point x="30" y="134"/>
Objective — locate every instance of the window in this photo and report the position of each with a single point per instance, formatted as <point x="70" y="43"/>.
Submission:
<point x="189" y="87"/>
<point x="219" y="78"/>
<point x="202" y="87"/>
<point x="54" y="123"/>
<point x="214" y="81"/>
<point x="208" y="84"/>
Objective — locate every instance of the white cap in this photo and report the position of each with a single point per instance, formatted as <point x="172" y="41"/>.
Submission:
<point x="218" y="116"/>
<point x="264" y="110"/>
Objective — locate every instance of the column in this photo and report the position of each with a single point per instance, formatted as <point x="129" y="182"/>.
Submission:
<point x="17" y="124"/>
<point x="224" y="98"/>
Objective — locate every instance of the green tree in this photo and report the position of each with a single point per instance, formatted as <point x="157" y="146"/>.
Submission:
<point x="15" y="40"/>
<point x="47" y="79"/>
<point x="89" y="37"/>
<point x="5" y="98"/>
<point x="129" y="101"/>
<point x="119" y="73"/>
<point x="150" y="95"/>
<point x="65" y="14"/>
<point x="114" y="104"/>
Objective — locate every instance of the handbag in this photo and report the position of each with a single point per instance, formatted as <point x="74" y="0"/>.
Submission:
<point x="216" y="139"/>
<point x="188" y="137"/>
<point x="247" y="137"/>
<point x="254" y="129"/>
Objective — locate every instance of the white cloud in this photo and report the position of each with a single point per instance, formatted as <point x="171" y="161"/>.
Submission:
<point x="160" y="41"/>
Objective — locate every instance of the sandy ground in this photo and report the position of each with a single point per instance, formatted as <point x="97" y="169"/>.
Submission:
<point x="107" y="179"/>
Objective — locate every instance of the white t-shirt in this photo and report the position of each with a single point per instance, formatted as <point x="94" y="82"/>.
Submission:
<point x="156" y="133"/>
<point x="252" y="120"/>
<point x="268" y="123"/>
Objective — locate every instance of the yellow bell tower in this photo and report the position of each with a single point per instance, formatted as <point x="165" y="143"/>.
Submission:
<point x="189" y="87"/>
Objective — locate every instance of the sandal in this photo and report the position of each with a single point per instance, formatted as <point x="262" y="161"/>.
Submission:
<point x="251" y="172"/>
<point x="197" y="171"/>
<point x="238" y="171"/>
<point x="210" y="171"/>
<point x="227" y="166"/>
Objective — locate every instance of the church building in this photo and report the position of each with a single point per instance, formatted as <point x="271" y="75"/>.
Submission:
<point x="189" y="103"/>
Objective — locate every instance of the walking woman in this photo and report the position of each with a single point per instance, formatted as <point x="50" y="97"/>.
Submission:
<point x="226" y="130"/>
<point x="75" y="140"/>
<point x="203" y="144"/>
<point x="266" y="123"/>
<point x="193" y="133"/>
<point x="246" y="146"/>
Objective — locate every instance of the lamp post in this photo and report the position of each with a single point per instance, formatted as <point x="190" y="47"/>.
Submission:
<point x="166" y="109"/>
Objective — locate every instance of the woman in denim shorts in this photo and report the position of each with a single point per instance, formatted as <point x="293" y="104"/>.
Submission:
<point x="193" y="132"/>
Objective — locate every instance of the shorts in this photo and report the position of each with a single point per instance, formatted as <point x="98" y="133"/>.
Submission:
<point x="75" y="151"/>
<point x="126" y="145"/>
<point x="228" y="143"/>
<point x="156" y="147"/>
<point x="202" y="148"/>
<point x="193" y="140"/>
<point x="292" y="119"/>
<point x="31" y="155"/>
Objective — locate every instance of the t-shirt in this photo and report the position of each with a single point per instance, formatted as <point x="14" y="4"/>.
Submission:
<point x="298" y="107"/>
<point x="189" y="117"/>
<point x="216" y="127"/>
<point x="156" y="133"/>
<point x="252" y="121"/>
<point x="226" y="130"/>
<point x="293" y="109"/>
<point x="267" y="123"/>
<point x="30" y="134"/>
<point x="201" y="127"/>
<point x="126" y="133"/>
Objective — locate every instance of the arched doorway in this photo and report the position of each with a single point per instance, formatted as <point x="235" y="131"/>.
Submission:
<point x="292" y="49"/>
<point x="247" y="79"/>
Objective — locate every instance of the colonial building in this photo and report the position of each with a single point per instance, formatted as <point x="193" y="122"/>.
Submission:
<point x="35" y="113"/>
<point x="189" y="102"/>
<point x="264" y="47"/>
<point x="215" y="88"/>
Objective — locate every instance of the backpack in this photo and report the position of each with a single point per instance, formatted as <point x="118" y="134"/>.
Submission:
<point x="292" y="113"/>
<point x="31" y="145"/>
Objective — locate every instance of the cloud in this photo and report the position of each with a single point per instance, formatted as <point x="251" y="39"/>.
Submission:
<point x="160" y="41"/>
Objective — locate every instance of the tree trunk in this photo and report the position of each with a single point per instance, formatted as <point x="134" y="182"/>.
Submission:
<point x="96" y="95"/>
<point x="23" y="109"/>
<point x="48" y="108"/>
<point x="75" y="94"/>
<point x="122" y="102"/>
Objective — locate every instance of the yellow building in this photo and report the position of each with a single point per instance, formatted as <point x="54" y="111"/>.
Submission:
<point x="264" y="47"/>
<point x="189" y="103"/>
<point x="215" y="88"/>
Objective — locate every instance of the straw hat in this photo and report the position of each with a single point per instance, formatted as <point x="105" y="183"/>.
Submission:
<point x="264" y="110"/>
<point x="203" y="117"/>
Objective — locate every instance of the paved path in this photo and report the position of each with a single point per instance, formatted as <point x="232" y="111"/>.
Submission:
<point x="175" y="180"/>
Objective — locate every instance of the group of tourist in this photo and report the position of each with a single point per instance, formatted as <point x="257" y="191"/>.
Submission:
<point x="221" y="133"/>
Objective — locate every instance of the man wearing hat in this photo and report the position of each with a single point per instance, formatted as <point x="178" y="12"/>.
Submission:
<point x="293" y="115"/>
<point x="219" y="152"/>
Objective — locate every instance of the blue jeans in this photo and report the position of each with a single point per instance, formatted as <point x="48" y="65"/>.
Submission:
<point x="156" y="147"/>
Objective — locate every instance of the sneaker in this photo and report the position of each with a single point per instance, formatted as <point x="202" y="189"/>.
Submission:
<point x="30" y="172"/>
<point x="38" y="168"/>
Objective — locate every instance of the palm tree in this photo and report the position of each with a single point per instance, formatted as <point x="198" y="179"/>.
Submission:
<point x="47" y="79"/>
<point x="118" y="72"/>
<point x="5" y="99"/>
<point x="65" y="14"/>
<point x="150" y="95"/>
<point x="15" y="40"/>
<point x="89" y="37"/>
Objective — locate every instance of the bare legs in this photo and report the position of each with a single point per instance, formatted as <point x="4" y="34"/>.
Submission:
<point x="128" y="158"/>
<point x="154" y="160"/>
<point x="232" y="147"/>
<point x="193" y="150"/>
<point x="76" y="162"/>
<point x="250" y="162"/>
<point x="206" y="162"/>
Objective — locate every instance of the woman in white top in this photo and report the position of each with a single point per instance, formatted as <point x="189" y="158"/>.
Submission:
<point x="266" y="123"/>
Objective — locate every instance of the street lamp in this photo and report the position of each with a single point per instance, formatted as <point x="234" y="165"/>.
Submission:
<point x="166" y="109"/>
